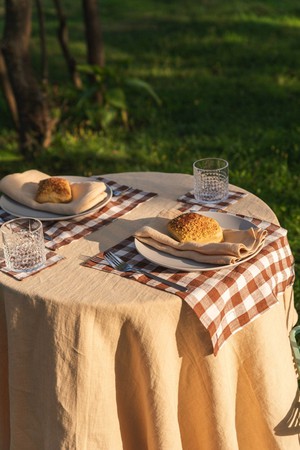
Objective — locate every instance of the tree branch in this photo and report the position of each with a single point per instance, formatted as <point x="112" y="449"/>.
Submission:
<point x="44" y="56"/>
<point x="63" y="40"/>
<point x="8" y="92"/>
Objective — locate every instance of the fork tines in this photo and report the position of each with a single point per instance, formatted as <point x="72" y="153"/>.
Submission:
<point x="113" y="258"/>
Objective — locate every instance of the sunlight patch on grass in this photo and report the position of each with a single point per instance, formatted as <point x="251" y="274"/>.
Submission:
<point x="290" y="21"/>
<point x="7" y="156"/>
<point x="235" y="38"/>
<point x="285" y="80"/>
<point x="86" y="141"/>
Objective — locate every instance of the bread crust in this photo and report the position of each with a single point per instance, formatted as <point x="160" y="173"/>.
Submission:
<point x="54" y="190"/>
<point x="193" y="227"/>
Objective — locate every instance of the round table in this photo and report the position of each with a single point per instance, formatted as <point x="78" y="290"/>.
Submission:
<point x="91" y="360"/>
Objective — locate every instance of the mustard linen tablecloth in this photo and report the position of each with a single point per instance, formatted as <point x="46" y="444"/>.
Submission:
<point x="92" y="361"/>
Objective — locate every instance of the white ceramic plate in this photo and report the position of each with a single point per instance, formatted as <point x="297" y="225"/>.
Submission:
<point x="17" y="209"/>
<point x="187" y="265"/>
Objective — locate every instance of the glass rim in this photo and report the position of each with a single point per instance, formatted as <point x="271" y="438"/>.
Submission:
<point x="2" y="228"/>
<point x="225" y="166"/>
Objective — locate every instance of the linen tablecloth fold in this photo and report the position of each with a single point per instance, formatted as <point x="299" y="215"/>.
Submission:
<point x="236" y="244"/>
<point x="224" y="300"/>
<point x="22" y="187"/>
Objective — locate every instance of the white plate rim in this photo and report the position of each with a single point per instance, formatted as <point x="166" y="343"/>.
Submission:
<point x="15" y="209"/>
<point x="186" y="265"/>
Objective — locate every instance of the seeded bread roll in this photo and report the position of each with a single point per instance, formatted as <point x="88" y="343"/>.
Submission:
<point x="192" y="227"/>
<point x="54" y="190"/>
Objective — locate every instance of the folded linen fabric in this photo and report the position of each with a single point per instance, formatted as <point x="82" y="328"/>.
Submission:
<point x="236" y="244"/>
<point x="22" y="187"/>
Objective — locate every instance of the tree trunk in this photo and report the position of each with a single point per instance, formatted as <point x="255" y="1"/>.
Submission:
<point x="93" y="33"/>
<point x="34" y="122"/>
<point x="94" y="41"/>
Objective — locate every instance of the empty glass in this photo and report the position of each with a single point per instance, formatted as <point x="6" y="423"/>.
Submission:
<point x="23" y="244"/>
<point x="210" y="180"/>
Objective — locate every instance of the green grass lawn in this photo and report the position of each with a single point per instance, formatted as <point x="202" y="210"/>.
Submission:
<point x="228" y="76"/>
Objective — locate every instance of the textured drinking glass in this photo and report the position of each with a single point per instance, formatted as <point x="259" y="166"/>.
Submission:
<point x="23" y="244"/>
<point x="210" y="180"/>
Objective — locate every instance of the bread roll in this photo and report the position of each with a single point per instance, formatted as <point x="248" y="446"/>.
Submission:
<point x="193" y="227"/>
<point x="54" y="190"/>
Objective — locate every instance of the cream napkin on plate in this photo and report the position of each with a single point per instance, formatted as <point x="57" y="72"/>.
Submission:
<point x="22" y="188"/>
<point x="237" y="244"/>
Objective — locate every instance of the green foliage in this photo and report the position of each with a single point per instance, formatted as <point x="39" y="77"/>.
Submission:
<point x="113" y="87"/>
<point x="228" y="76"/>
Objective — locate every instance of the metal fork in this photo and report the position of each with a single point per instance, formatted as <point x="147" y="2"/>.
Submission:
<point x="117" y="192"/>
<point x="118" y="264"/>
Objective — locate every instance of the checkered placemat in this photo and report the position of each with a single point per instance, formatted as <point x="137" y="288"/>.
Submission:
<point x="51" y="259"/>
<point x="63" y="232"/>
<point x="233" y="197"/>
<point x="224" y="300"/>
<point x="66" y="231"/>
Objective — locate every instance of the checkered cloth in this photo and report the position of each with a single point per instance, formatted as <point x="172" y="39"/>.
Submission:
<point x="66" y="231"/>
<point x="51" y="259"/>
<point x="224" y="300"/>
<point x="63" y="232"/>
<point x="233" y="197"/>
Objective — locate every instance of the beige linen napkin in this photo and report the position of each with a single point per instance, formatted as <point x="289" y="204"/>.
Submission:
<point x="237" y="244"/>
<point x="22" y="187"/>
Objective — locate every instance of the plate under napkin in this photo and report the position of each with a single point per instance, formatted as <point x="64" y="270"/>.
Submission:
<point x="22" y="188"/>
<point x="242" y="240"/>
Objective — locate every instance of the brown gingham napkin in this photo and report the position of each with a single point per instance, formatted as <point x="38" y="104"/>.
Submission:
<point x="233" y="197"/>
<point x="51" y="259"/>
<point x="63" y="232"/>
<point x="224" y="300"/>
